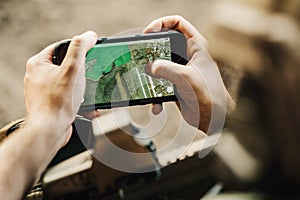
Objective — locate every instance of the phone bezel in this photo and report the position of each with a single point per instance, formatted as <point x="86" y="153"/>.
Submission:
<point x="178" y="55"/>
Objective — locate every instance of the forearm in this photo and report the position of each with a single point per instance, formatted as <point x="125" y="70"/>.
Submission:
<point x="25" y="154"/>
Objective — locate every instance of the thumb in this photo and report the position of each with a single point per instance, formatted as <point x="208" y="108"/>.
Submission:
<point x="165" y="69"/>
<point x="77" y="50"/>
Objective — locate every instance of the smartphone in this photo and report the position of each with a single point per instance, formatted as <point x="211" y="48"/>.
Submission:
<point x="115" y="69"/>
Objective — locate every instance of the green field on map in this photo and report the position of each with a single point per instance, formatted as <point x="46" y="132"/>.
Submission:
<point x="115" y="72"/>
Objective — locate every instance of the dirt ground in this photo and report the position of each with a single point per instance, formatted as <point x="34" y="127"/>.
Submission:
<point x="28" y="26"/>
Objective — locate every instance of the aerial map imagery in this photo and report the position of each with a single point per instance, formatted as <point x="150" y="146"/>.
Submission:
<point x="115" y="72"/>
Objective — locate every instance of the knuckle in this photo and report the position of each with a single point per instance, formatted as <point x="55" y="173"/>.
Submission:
<point x="77" y="41"/>
<point x="33" y="63"/>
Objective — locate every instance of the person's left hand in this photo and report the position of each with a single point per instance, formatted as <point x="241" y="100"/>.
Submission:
<point x="54" y="93"/>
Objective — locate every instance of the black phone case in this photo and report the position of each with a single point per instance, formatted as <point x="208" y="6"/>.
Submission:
<point x="178" y="55"/>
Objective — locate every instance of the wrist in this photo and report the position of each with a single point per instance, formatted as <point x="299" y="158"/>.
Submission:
<point x="54" y="127"/>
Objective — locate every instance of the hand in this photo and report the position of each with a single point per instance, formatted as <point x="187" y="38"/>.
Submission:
<point x="200" y="90"/>
<point x="54" y="93"/>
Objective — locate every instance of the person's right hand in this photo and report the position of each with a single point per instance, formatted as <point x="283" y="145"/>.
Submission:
<point x="200" y="90"/>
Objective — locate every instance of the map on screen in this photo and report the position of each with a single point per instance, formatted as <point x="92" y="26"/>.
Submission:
<point x="116" y="71"/>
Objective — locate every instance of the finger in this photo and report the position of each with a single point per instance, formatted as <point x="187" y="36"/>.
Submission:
<point x="178" y="23"/>
<point x="77" y="50"/>
<point x="173" y="22"/>
<point x="45" y="56"/>
<point x="157" y="108"/>
<point x="90" y="114"/>
<point x="165" y="69"/>
<point x="47" y="53"/>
